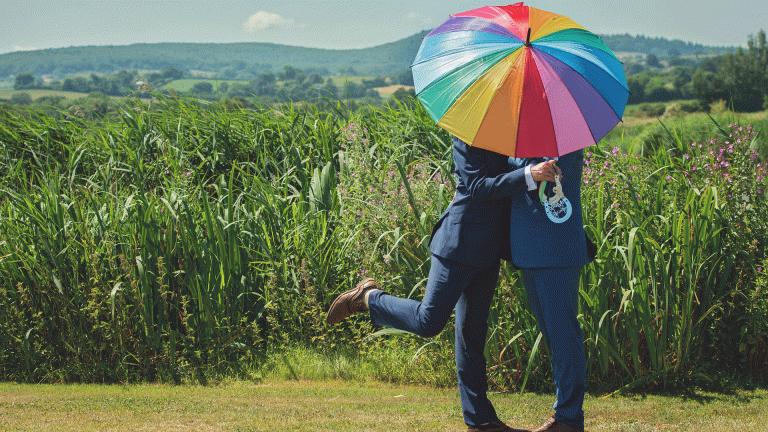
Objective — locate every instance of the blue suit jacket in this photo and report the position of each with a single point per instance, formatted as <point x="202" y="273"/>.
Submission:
<point x="474" y="230"/>
<point x="537" y="242"/>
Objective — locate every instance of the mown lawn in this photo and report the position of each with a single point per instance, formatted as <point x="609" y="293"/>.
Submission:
<point x="344" y="406"/>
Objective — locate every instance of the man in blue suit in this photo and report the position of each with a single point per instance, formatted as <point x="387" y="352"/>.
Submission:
<point x="550" y="253"/>
<point x="467" y="243"/>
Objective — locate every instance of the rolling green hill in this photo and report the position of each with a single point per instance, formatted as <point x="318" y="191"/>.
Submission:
<point x="659" y="46"/>
<point x="246" y="60"/>
<point x="229" y="60"/>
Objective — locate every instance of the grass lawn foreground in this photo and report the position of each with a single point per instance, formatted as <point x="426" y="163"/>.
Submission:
<point x="345" y="406"/>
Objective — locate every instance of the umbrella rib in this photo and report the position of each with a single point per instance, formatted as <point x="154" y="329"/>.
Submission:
<point x="477" y="47"/>
<point x="543" y="56"/>
<point x="620" y="85"/>
<point x="486" y="86"/>
<point x="553" y="47"/>
<point x="460" y="41"/>
<point x="566" y="92"/>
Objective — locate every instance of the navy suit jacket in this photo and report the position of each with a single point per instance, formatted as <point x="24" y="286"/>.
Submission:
<point x="474" y="230"/>
<point x="537" y="242"/>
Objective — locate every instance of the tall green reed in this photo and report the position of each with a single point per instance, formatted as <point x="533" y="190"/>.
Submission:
<point x="180" y="239"/>
<point x="166" y="240"/>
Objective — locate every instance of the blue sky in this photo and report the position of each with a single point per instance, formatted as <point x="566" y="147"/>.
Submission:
<point x="341" y="24"/>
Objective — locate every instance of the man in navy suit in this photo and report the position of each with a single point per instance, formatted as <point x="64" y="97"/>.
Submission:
<point x="551" y="253"/>
<point x="467" y="243"/>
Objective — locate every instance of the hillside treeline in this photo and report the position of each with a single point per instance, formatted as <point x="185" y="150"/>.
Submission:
<point x="241" y="61"/>
<point x="290" y="84"/>
<point x="659" y="46"/>
<point x="739" y="78"/>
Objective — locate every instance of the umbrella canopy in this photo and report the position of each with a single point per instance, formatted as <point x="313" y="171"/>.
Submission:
<point x="520" y="81"/>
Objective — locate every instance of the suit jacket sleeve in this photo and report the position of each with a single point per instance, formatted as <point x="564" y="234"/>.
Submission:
<point x="517" y="163"/>
<point x="481" y="184"/>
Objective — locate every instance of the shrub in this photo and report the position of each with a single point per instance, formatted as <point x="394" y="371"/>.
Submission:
<point x="21" y="98"/>
<point x="385" y="202"/>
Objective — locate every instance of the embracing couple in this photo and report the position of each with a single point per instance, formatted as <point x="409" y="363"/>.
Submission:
<point x="497" y="213"/>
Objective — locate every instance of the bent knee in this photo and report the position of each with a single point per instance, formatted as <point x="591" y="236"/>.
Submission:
<point x="431" y="327"/>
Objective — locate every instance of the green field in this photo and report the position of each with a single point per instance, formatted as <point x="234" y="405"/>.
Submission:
<point x="340" y="80"/>
<point x="184" y="85"/>
<point x="339" y="406"/>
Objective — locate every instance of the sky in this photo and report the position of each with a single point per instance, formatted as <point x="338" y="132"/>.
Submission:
<point x="342" y="24"/>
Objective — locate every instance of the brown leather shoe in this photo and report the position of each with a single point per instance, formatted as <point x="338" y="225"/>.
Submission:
<point x="352" y="301"/>
<point x="494" y="427"/>
<point x="554" y="425"/>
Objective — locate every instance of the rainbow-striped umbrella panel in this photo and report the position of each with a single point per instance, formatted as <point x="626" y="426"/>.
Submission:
<point x="520" y="81"/>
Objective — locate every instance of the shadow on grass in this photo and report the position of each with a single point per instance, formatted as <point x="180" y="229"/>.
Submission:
<point x="696" y="387"/>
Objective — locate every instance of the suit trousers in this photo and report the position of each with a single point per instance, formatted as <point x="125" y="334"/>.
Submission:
<point x="553" y="296"/>
<point x="467" y="289"/>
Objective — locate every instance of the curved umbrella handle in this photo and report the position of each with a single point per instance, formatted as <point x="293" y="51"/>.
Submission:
<point x="558" y="190"/>
<point x="558" y="208"/>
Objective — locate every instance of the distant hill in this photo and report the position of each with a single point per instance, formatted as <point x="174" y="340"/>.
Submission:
<point x="244" y="60"/>
<point x="659" y="46"/>
<point x="253" y="58"/>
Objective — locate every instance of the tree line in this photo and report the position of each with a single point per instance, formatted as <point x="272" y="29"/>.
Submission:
<point x="739" y="78"/>
<point x="290" y="84"/>
<point x="122" y="83"/>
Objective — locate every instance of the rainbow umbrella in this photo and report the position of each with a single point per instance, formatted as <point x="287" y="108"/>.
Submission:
<point x="520" y="81"/>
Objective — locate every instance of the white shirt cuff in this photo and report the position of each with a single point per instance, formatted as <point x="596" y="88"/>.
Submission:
<point x="529" y="178"/>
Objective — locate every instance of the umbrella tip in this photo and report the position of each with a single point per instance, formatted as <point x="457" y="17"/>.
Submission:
<point x="528" y="38"/>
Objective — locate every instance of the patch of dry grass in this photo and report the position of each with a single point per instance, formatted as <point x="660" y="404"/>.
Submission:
<point x="38" y="93"/>
<point x="343" y="406"/>
<point x="390" y="90"/>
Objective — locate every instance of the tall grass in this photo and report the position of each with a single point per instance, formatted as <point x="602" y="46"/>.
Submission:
<point x="173" y="239"/>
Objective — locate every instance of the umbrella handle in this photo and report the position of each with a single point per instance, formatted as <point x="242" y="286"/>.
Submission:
<point x="558" y="190"/>
<point x="543" y="185"/>
<point x="558" y="208"/>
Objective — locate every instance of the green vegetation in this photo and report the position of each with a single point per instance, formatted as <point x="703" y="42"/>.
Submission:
<point x="123" y="83"/>
<point x="173" y="239"/>
<point x="246" y="61"/>
<point x="289" y="85"/>
<point x="234" y="61"/>
<point x="740" y="78"/>
<point x="185" y="85"/>
<point x="41" y="95"/>
<point x="657" y="71"/>
<point x="660" y="47"/>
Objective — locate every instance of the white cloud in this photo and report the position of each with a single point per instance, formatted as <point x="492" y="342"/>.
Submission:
<point x="263" y="20"/>
<point x="22" y="48"/>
